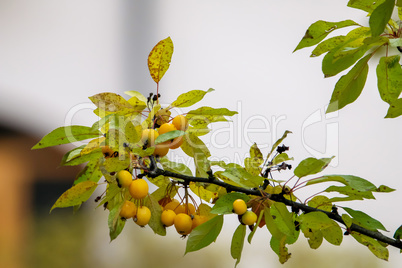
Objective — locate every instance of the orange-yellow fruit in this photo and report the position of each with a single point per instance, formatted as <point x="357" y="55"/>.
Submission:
<point x="165" y="128"/>
<point x="176" y="143"/>
<point x="138" y="188"/>
<point x="167" y="217"/>
<point x="198" y="220"/>
<point x="107" y="151"/>
<point x="239" y="206"/>
<point x="128" y="210"/>
<point x="161" y="149"/>
<point x="183" y="223"/>
<point x="172" y="205"/>
<point x="124" y="178"/>
<point x="190" y="209"/>
<point x="148" y="136"/>
<point x="180" y="122"/>
<point x="143" y="216"/>
<point x="249" y="218"/>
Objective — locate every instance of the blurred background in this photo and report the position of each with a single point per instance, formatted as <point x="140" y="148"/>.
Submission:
<point x="54" y="54"/>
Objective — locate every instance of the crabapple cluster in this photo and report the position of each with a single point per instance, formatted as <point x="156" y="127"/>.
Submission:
<point x="248" y="217"/>
<point x="185" y="217"/>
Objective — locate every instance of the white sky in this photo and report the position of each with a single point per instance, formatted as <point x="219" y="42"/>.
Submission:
<point x="54" y="54"/>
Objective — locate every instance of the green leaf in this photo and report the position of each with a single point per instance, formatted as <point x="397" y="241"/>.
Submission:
<point x="169" y="136"/>
<point x="321" y="202"/>
<point x="256" y="226"/>
<point x="285" y="134"/>
<point x="193" y="145"/>
<point x="380" y="17"/>
<point x="159" y="59"/>
<point x="72" y="154"/>
<point x="115" y="222"/>
<point x="281" y="158"/>
<point x="190" y="98"/>
<point x="389" y="75"/>
<point x="76" y="195"/>
<point x="362" y="219"/>
<point x="311" y="166"/>
<point x="328" y="45"/>
<point x="351" y="193"/>
<point x="314" y="237"/>
<point x="366" y="5"/>
<point x="384" y="189"/>
<point x="343" y="57"/>
<point x="241" y="177"/>
<point x="373" y="245"/>
<point x="252" y="164"/>
<point x="203" y="116"/>
<point x="349" y="180"/>
<point x="64" y="135"/>
<point x="175" y="167"/>
<point x="156" y="211"/>
<point x="395" y="42"/>
<point x="284" y="221"/>
<point x="112" y="103"/>
<point x="224" y="205"/>
<point x="395" y="109"/>
<point x="279" y="247"/>
<point x="204" y="234"/>
<point x="317" y="220"/>
<point x="398" y="233"/>
<point x="347" y="220"/>
<point x="91" y="172"/>
<point x="349" y="86"/>
<point x="238" y="242"/>
<point x="132" y="132"/>
<point x="319" y="30"/>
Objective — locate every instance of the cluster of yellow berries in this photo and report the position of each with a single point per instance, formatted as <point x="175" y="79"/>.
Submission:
<point x="138" y="189"/>
<point x="149" y="136"/>
<point x="248" y="217"/>
<point x="184" y="217"/>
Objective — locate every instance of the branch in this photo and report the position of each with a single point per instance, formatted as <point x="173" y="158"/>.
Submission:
<point x="155" y="172"/>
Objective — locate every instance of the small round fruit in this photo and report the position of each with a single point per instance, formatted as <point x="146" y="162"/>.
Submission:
<point x="176" y="142"/>
<point x="167" y="217"/>
<point x="198" y="220"/>
<point x="138" y="188"/>
<point x="165" y="128"/>
<point x="128" y="210"/>
<point x="107" y="151"/>
<point x="239" y="206"/>
<point x="161" y="150"/>
<point x="143" y="216"/>
<point x="183" y="223"/>
<point x="124" y="178"/>
<point x="190" y="209"/>
<point x="172" y="205"/>
<point x="180" y="122"/>
<point x="148" y="136"/>
<point x="249" y="218"/>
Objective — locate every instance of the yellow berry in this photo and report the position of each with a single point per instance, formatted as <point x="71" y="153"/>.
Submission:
<point x="180" y="122"/>
<point x="249" y="218"/>
<point x="167" y="217"/>
<point x="107" y="151"/>
<point x="239" y="206"/>
<point x="143" y="216"/>
<point x="183" y="223"/>
<point x="198" y="220"/>
<point x="161" y="149"/>
<point x="148" y="136"/>
<point x="190" y="209"/>
<point x="176" y="142"/>
<point x="165" y="128"/>
<point x="172" y="205"/>
<point x="138" y="188"/>
<point x="128" y="210"/>
<point x="124" y="178"/>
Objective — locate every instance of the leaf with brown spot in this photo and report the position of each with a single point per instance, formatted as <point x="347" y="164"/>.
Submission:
<point x="159" y="59"/>
<point x="76" y="195"/>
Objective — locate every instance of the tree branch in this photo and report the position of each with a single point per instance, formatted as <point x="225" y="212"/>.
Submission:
<point x="155" y="172"/>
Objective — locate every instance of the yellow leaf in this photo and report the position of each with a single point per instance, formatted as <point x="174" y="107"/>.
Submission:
<point x="76" y="195"/>
<point x="92" y="145"/>
<point x="159" y="59"/>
